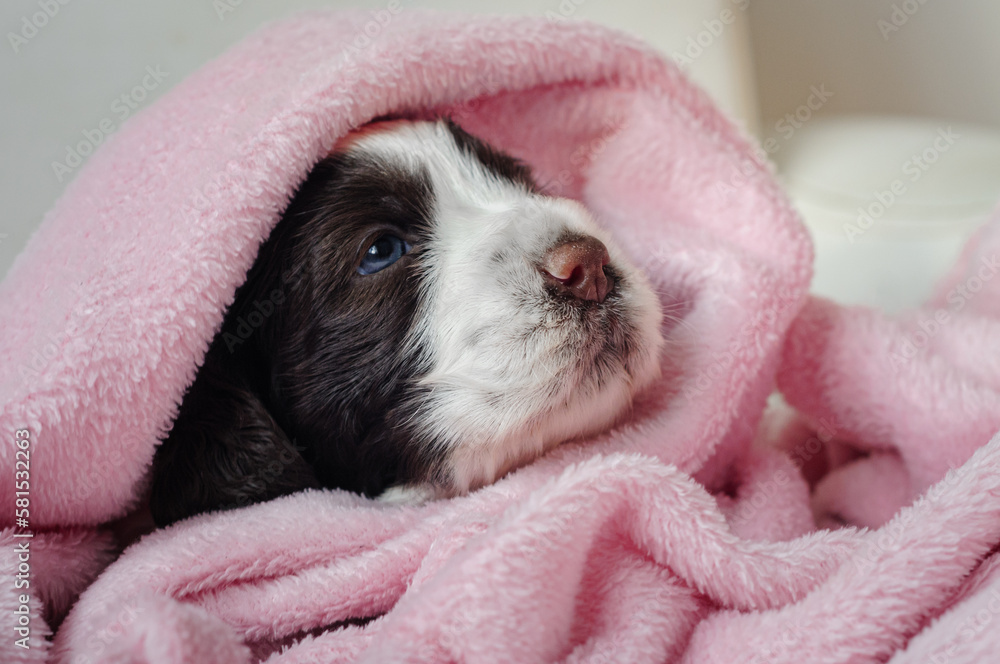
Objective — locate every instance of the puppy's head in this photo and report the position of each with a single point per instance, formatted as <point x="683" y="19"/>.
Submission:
<point x="471" y="319"/>
<point x="423" y="319"/>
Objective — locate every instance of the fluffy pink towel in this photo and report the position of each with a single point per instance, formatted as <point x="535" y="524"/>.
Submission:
<point x="686" y="534"/>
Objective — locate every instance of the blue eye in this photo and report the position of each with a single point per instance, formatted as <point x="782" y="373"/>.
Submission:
<point x="383" y="252"/>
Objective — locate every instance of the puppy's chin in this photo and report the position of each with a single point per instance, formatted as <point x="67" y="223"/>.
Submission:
<point x="577" y="378"/>
<point x="583" y="375"/>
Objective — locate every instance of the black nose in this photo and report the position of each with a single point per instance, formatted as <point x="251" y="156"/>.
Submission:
<point x="577" y="266"/>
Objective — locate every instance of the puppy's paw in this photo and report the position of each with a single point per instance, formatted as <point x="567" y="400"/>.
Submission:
<point x="409" y="494"/>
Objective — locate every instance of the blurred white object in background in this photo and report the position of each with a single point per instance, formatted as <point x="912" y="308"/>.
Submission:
<point x="890" y="201"/>
<point x="902" y="161"/>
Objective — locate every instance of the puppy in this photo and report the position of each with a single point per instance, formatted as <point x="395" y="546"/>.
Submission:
<point x="422" y="320"/>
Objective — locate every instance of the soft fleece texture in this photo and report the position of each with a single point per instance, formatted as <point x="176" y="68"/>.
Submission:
<point x="687" y="534"/>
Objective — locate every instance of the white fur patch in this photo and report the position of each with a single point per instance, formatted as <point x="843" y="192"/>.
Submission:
<point x="511" y="369"/>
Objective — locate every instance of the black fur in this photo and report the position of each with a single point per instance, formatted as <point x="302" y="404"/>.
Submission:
<point x="305" y="383"/>
<point x="499" y="163"/>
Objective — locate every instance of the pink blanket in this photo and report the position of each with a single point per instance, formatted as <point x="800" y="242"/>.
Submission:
<point x="688" y="534"/>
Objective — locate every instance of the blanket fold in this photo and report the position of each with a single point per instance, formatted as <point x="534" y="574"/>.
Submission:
<point x="686" y="534"/>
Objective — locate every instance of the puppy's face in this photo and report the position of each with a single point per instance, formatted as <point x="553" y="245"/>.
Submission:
<point x="456" y="312"/>
<point x="423" y="320"/>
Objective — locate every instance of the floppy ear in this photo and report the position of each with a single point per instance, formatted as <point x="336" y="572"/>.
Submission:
<point x="225" y="451"/>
